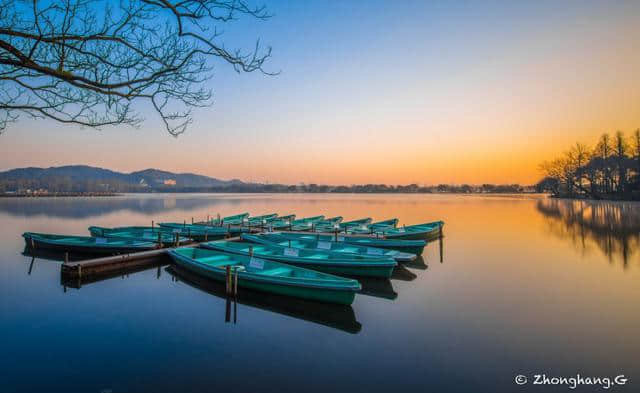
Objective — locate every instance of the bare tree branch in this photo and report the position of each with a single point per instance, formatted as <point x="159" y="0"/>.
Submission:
<point x="86" y="62"/>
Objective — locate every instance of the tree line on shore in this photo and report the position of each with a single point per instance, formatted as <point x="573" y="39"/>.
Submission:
<point x="609" y="170"/>
<point x="43" y="186"/>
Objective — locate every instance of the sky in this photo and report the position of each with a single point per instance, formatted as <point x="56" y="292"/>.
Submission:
<point x="392" y="92"/>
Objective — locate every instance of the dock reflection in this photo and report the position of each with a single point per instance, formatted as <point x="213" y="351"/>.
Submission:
<point x="330" y="315"/>
<point x="613" y="227"/>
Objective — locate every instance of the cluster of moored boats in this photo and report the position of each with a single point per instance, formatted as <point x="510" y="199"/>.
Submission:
<point x="306" y="258"/>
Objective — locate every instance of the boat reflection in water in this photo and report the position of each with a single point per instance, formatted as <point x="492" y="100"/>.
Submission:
<point x="613" y="227"/>
<point x="377" y="287"/>
<point x="331" y="315"/>
<point x="418" y="263"/>
<point x="401" y="273"/>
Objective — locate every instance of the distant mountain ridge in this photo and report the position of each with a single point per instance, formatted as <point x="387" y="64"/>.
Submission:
<point x="87" y="178"/>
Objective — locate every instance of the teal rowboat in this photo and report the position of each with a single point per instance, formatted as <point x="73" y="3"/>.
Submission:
<point x="229" y="220"/>
<point x="325" y="261"/>
<point x="305" y="224"/>
<point x="426" y="231"/>
<point x="282" y="222"/>
<point x="376" y="227"/>
<point x="267" y="276"/>
<point x="259" y="221"/>
<point x="328" y="224"/>
<point x="147" y="234"/>
<point x="337" y="247"/>
<point x="199" y="233"/>
<point x="85" y="244"/>
<point x="237" y="219"/>
<point x="409" y="246"/>
<point x="355" y="223"/>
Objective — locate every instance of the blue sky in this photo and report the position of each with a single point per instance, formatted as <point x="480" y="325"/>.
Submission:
<point x="392" y="92"/>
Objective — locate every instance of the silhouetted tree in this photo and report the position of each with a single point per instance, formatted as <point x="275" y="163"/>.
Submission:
<point x="87" y="61"/>
<point x="603" y="173"/>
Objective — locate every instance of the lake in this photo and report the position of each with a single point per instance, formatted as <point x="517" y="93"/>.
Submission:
<point x="519" y="285"/>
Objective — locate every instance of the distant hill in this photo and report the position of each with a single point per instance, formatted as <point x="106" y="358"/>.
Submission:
<point x="82" y="178"/>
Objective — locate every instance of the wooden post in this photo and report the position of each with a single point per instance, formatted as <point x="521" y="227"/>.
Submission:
<point x="336" y="234"/>
<point x="66" y="257"/>
<point x="235" y="283"/>
<point x="191" y="220"/>
<point x="207" y="219"/>
<point x="152" y="225"/>
<point x="227" y="312"/>
<point x="184" y="223"/>
<point x="228" y="279"/>
<point x="159" y="239"/>
<point x="206" y="236"/>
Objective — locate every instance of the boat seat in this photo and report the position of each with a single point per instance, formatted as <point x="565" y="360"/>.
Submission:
<point x="277" y="271"/>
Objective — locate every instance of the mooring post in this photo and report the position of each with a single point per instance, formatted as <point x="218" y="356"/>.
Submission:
<point x="235" y="283"/>
<point x="66" y="257"/>
<point x="335" y="235"/>
<point x="191" y="220"/>
<point x="152" y="225"/>
<point x="207" y="219"/>
<point x="228" y="279"/>
<point x="206" y="236"/>
<point x="160" y="239"/>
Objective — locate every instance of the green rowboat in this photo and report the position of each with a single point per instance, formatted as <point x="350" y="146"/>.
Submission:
<point x="148" y="234"/>
<point x="85" y="244"/>
<point x="409" y="246"/>
<point x="259" y="221"/>
<point x="305" y="224"/>
<point x="376" y="227"/>
<point x="282" y="222"/>
<point x="337" y="247"/>
<point x="196" y="232"/>
<point x="325" y="261"/>
<point x="426" y="231"/>
<point x="234" y="220"/>
<point x="267" y="276"/>
<point x="355" y="223"/>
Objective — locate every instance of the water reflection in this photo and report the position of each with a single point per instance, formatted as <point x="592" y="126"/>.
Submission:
<point x="98" y="206"/>
<point x="377" y="287"/>
<point x="418" y="263"/>
<point x="334" y="316"/>
<point x="403" y="274"/>
<point x="613" y="227"/>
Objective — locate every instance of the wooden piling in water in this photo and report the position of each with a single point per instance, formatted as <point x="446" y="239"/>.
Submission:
<point x="228" y="279"/>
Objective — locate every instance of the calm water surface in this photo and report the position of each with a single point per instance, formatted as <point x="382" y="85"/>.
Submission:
<point x="518" y="285"/>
